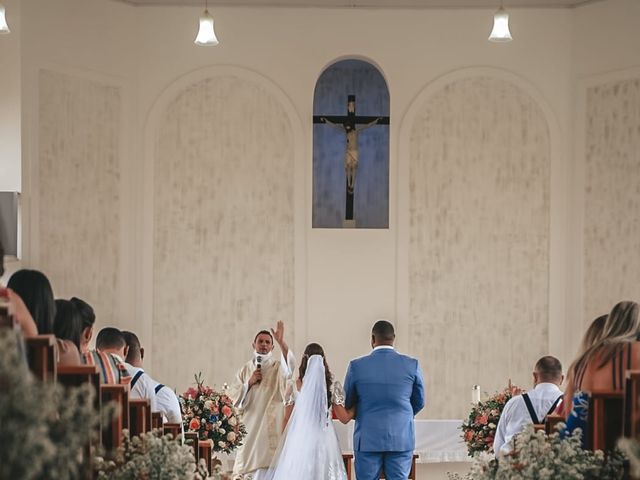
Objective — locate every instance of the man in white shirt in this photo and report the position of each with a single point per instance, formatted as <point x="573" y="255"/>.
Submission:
<point x="530" y="407"/>
<point x="163" y="399"/>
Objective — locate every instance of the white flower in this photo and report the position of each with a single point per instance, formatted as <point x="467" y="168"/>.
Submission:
<point x="231" y="437"/>
<point x="233" y="421"/>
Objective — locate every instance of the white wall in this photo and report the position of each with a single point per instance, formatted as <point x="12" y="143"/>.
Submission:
<point x="606" y="259"/>
<point x="10" y="91"/>
<point x="342" y="280"/>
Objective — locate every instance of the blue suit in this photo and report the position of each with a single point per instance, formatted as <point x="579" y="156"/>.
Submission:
<point x="387" y="389"/>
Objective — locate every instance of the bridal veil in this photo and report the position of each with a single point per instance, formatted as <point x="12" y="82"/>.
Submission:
<point x="309" y="448"/>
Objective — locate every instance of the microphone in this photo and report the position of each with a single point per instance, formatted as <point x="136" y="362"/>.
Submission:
<point x="259" y="362"/>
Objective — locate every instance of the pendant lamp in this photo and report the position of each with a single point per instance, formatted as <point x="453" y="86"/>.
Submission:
<point x="500" y="32"/>
<point x="206" y="35"/>
<point x="4" y="28"/>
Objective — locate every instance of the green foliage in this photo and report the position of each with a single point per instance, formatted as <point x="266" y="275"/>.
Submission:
<point x="541" y="457"/>
<point x="151" y="457"/>
<point x="43" y="426"/>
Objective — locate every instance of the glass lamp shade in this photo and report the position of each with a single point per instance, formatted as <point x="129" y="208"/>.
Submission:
<point x="206" y="35"/>
<point x="500" y="32"/>
<point x="4" y="28"/>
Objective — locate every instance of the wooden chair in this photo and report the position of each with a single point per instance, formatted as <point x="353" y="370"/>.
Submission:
<point x="551" y="422"/>
<point x="42" y="354"/>
<point x="74" y="376"/>
<point x="605" y="419"/>
<point x="632" y="405"/>
<point x="112" y="432"/>
<point x="139" y="416"/>
<point x="412" y="473"/>
<point x="204" y="451"/>
<point x="347" y="458"/>
<point x="157" y="421"/>
<point x="173" y="429"/>
<point x="191" y="439"/>
<point x="6" y="320"/>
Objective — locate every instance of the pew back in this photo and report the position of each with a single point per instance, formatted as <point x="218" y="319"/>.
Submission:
<point x="605" y="419"/>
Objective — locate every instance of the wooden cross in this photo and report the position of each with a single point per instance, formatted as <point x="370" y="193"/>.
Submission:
<point x="349" y="125"/>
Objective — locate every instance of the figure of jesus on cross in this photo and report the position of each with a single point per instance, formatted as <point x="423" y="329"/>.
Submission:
<point x="349" y="125"/>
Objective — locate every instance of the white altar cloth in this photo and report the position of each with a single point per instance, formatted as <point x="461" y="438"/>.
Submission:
<point x="437" y="441"/>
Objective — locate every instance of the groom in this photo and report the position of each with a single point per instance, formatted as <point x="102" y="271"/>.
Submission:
<point x="387" y="390"/>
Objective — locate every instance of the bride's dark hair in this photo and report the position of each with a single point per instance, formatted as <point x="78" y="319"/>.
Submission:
<point x="316" y="349"/>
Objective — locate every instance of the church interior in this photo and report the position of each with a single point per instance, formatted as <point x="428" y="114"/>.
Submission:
<point x="171" y="185"/>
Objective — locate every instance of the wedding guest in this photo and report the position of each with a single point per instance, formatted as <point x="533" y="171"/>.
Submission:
<point x="163" y="399"/>
<point x="34" y="289"/>
<point x="67" y="323"/>
<point x="109" y="355"/>
<point x="16" y="305"/>
<point x="603" y="365"/>
<point x="259" y="391"/>
<point x="591" y="336"/>
<point x="88" y="318"/>
<point x="532" y="406"/>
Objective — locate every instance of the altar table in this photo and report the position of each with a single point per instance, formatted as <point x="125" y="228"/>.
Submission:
<point x="437" y="441"/>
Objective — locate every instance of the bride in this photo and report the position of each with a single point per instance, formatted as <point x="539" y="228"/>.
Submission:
<point x="309" y="448"/>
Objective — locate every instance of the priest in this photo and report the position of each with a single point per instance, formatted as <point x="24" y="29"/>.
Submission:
<point x="258" y="392"/>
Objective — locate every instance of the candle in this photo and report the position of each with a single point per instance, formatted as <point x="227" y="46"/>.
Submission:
<point x="475" y="394"/>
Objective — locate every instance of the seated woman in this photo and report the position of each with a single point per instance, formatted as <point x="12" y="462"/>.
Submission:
<point x="591" y="336"/>
<point x="34" y="289"/>
<point x="17" y="307"/>
<point x="67" y="324"/>
<point x="603" y="365"/>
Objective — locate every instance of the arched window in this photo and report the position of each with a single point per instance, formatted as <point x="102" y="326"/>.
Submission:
<point x="351" y="147"/>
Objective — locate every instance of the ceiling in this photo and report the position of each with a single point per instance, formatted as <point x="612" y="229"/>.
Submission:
<point x="370" y="3"/>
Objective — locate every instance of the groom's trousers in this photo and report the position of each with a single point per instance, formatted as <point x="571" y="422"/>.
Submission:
<point x="396" y="465"/>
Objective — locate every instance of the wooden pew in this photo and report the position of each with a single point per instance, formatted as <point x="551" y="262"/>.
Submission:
<point x="204" y="451"/>
<point x="139" y="416"/>
<point x="173" y="429"/>
<point x="42" y="354"/>
<point x="632" y="405"/>
<point x="552" y="421"/>
<point x="112" y="433"/>
<point x="605" y="419"/>
<point x="346" y="458"/>
<point x="74" y="376"/>
<point x="191" y="439"/>
<point x="6" y="320"/>
<point x="157" y="421"/>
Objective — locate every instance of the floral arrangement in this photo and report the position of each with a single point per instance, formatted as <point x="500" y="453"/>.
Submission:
<point x="480" y="428"/>
<point x="541" y="457"/>
<point x="212" y="415"/>
<point x="151" y="457"/>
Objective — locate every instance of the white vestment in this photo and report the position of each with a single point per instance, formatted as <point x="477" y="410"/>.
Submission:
<point x="262" y="412"/>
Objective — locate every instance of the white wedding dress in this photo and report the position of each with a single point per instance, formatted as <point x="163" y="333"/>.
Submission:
<point x="309" y="447"/>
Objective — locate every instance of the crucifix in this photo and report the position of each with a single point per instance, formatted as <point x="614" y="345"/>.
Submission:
<point x="349" y="125"/>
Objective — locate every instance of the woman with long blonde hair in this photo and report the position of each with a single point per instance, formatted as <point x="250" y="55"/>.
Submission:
<point x="603" y="365"/>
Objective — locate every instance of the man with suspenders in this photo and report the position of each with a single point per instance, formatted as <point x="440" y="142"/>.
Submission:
<point x="163" y="399"/>
<point x="531" y="407"/>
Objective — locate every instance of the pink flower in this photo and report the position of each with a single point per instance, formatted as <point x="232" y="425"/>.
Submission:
<point x="482" y="419"/>
<point x="194" y="424"/>
<point x="226" y="411"/>
<point x="468" y="435"/>
<point x="191" y="393"/>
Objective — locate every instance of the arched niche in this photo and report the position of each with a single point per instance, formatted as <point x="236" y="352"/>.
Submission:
<point x="351" y="147"/>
